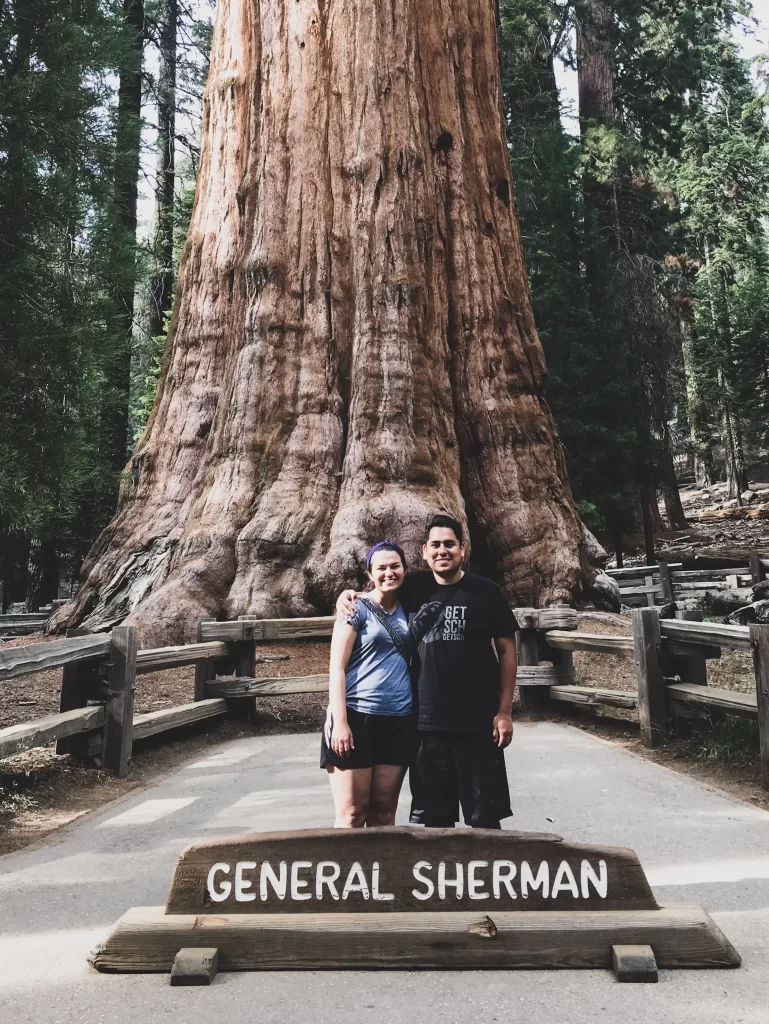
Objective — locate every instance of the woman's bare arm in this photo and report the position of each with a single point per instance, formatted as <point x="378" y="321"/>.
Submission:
<point x="342" y="643"/>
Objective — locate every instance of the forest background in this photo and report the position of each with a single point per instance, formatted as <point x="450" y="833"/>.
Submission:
<point x="643" y="215"/>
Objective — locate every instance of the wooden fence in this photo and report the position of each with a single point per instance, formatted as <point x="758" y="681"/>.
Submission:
<point x="99" y="676"/>
<point x="671" y="657"/>
<point x="669" y="581"/>
<point x="98" y="680"/>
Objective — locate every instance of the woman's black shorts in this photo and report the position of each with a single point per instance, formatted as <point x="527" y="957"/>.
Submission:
<point x="378" y="739"/>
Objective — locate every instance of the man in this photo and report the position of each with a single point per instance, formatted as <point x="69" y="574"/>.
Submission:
<point x="465" y="692"/>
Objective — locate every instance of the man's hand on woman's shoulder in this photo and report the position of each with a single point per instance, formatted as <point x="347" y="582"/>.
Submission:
<point x="346" y="605"/>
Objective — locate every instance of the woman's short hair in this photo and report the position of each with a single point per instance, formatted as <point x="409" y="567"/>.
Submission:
<point x="384" y="545"/>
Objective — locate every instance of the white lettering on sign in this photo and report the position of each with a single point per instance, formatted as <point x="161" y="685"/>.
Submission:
<point x="418" y="872"/>
<point x="448" y="880"/>
<point x="323" y="878"/>
<point x="241" y="884"/>
<point x="564" y="881"/>
<point x="528" y="881"/>
<point x="457" y="882"/>
<point x="278" y="882"/>
<point x="356" y="882"/>
<point x="474" y="885"/>
<point x="600" y="881"/>
<point x="220" y="894"/>
<point x="503" y="873"/>
<point x="376" y="894"/>
<point x="298" y="883"/>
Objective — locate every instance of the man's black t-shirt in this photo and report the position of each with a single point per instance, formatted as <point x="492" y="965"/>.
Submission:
<point x="455" y="624"/>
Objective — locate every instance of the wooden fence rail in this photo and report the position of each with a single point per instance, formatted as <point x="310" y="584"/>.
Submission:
<point x="99" y="673"/>
<point x="670" y="657"/>
<point x="669" y="581"/>
<point x="99" y="676"/>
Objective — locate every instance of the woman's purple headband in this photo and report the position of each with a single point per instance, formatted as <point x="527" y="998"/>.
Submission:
<point x="384" y="545"/>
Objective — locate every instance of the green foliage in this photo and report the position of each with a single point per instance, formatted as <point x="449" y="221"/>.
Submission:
<point x="588" y="384"/>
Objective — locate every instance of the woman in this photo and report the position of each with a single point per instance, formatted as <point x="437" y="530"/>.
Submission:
<point x="370" y="728"/>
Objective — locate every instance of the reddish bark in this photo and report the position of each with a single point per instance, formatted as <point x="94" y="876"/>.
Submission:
<point x="352" y="346"/>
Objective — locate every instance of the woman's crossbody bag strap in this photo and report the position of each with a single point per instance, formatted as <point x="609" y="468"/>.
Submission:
<point x="401" y="645"/>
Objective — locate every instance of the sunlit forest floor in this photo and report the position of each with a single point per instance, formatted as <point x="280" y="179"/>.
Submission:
<point x="718" y="528"/>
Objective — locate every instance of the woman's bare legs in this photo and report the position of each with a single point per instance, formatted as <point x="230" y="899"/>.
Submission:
<point x="350" y="788"/>
<point x="386" y="782"/>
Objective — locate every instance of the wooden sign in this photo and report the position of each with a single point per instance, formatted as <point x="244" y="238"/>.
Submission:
<point x="407" y="898"/>
<point x="387" y="870"/>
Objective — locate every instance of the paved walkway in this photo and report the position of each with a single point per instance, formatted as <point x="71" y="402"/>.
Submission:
<point x="696" y="845"/>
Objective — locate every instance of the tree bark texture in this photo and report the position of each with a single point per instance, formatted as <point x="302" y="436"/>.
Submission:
<point x="352" y="345"/>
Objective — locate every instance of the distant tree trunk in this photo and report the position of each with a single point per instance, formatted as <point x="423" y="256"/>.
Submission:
<point x="163" y="280"/>
<point x="648" y="528"/>
<point x="671" y="495"/>
<point x="698" y="432"/>
<point x="597" y="107"/>
<point x="352" y="346"/>
<point x="14" y="564"/>
<point x="126" y="190"/>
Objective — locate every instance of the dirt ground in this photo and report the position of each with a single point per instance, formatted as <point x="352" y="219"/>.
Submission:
<point x="40" y="792"/>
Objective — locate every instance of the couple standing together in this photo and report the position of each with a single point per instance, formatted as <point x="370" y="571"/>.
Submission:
<point x="414" y="682"/>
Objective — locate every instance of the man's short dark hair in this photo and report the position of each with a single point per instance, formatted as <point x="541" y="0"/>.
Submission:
<point x="445" y="523"/>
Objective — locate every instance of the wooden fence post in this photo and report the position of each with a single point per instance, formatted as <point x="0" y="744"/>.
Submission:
<point x="531" y="697"/>
<point x="665" y="582"/>
<point x="651" y="598"/>
<point x="692" y="668"/>
<point x="757" y="570"/>
<point x="79" y="681"/>
<point x="245" y="666"/>
<point x="759" y="642"/>
<point x="204" y="670"/>
<point x="652" y="701"/>
<point x="118" y="725"/>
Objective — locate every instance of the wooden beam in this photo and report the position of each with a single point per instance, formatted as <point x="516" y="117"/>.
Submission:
<point x="79" y="683"/>
<point x="277" y="686"/>
<point x="593" y="696"/>
<point x="633" y="964"/>
<point x="759" y="642"/>
<point x="527" y="641"/>
<point x="690" y="665"/>
<point x="174" y="718"/>
<point x="757" y="570"/>
<point x="116" y="751"/>
<point x="269" y="629"/>
<point x="155" y="658"/>
<point x="544" y="675"/>
<point x="148" y="939"/>
<point x="43" y="731"/>
<point x="665" y="582"/>
<point x="712" y="699"/>
<point x="650" y="681"/>
<point x="204" y="670"/>
<point x="195" y="966"/>
<point x="708" y="633"/>
<point x="638" y="570"/>
<point x="597" y="642"/>
<point x="20" y="661"/>
<point x="649" y="589"/>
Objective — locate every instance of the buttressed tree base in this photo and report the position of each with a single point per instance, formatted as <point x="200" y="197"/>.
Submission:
<point x="352" y="345"/>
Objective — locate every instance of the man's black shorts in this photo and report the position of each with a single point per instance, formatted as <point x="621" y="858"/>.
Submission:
<point x="378" y="739"/>
<point x="453" y="768"/>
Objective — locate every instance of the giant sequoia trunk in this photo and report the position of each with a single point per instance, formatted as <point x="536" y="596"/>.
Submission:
<point x="352" y="345"/>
